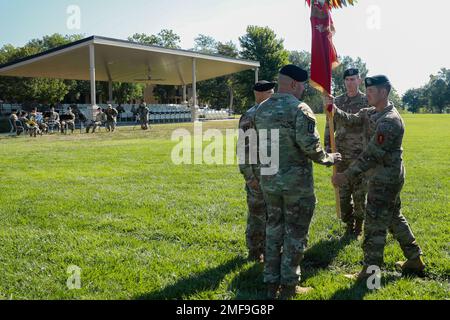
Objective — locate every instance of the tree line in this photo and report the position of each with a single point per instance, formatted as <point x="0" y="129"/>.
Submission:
<point x="232" y="91"/>
<point x="434" y="97"/>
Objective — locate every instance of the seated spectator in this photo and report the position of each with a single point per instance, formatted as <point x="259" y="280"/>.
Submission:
<point x="32" y="125"/>
<point x="69" y="121"/>
<point x="53" y="119"/>
<point x="99" y="120"/>
<point x="15" y="123"/>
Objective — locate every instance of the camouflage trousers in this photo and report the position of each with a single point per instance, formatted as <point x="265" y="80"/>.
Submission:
<point x="289" y="218"/>
<point x="111" y="126"/>
<point x="353" y="197"/>
<point x="384" y="213"/>
<point x="256" y="220"/>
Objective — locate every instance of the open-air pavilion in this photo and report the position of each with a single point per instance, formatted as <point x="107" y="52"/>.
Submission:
<point x="105" y="59"/>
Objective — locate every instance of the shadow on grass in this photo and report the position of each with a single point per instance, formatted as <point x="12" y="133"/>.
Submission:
<point x="322" y="254"/>
<point x="208" y="280"/>
<point x="249" y="284"/>
<point x="358" y="290"/>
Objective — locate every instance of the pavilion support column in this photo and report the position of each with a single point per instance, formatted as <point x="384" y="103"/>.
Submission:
<point x="194" y="89"/>
<point x="256" y="75"/>
<point x="92" y="79"/>
<point x="110" y="91"/>
<point x="184" y="93"/>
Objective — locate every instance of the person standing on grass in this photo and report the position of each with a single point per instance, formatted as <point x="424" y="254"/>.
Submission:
<point x="382" y="159"/>
<point x="111" y="118"/>
<point x="350" y="143"/>
<point x="143" y="112"/>
<point x="257" y="210"/>
<point x="289" y="192"/>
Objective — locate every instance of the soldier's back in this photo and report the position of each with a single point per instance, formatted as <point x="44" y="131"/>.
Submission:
<point x="294" y="175"/>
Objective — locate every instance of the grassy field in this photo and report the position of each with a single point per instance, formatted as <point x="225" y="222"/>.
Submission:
<point x="140" y="227"/>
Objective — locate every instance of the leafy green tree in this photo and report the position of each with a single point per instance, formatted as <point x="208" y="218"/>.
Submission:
<point x="414" y="99"/>
<point x="34" y="89"/>
<point x="217" y="92"/>
<point x="165" y="38"/>
<point x="437" y="91"/>
<point x="260" y="44"/>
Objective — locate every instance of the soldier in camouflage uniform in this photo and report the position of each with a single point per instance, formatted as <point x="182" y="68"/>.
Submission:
<point x="69" y="123"/>
<point x="111" y="118"/>
<point x="350" y="144"/>
<point x="257" y="211"/>
<point x="382" y="159"/>
<point x="143" y="112"/>
<point x="289" y="193"/>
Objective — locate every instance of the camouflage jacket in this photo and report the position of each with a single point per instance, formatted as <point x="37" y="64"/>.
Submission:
<point x="299" y="143"/>
<point x="382" y="157"/>
<point x="143" y="111"/>
<point x="249" y="171"/>
<point x="349" y="140"/>
<point x="111" y="114"/>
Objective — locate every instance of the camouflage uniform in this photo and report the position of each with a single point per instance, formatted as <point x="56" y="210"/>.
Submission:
<point x="382" y="160"/>
<point x="289" y="193"/>
<point x="257" y="210"/>
<point x="68" y="124"/>
<point x="100" y="118"/>
<point x="143" y="112"/>
<point x="350" y="144"/>
<point x="111" y="119"/>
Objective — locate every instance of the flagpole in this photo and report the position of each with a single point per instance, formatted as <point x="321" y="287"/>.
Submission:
<point x="330" y="118"/>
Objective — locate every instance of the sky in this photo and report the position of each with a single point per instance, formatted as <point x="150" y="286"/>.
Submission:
<point x="405" y="39"/>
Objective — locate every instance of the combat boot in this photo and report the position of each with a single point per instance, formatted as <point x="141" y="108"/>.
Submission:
<point x="412" y="266"/>
<point x="256" y="256"/>
<point x="359" y="277"/>
<point x="290" y="291"/>
<point x="272" y="291"/>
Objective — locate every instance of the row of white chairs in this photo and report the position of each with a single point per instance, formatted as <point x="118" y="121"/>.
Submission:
<point x="214" y="115"/>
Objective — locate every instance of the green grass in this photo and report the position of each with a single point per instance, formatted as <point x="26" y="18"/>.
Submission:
<point x="140" y="227"/>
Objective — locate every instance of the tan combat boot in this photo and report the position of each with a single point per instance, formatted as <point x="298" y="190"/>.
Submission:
<point x="289" y="291"/>
<point x="256" y="256"/>
<point x="272" y="291"/>
<point x="412" y="266"/>
<point x="359" y="277"/>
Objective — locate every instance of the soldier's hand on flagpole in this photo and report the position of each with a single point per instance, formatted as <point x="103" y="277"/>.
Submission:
<point x="337" y="157"/>
<point x="339" y="179"/>
<point x="328" y="99"/>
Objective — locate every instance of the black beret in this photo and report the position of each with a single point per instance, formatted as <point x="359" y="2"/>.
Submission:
<point x="351" y="72"/>
<point x="376" y="81"/>
<point x="263" y="86"/>
<point x="294" y="72"/>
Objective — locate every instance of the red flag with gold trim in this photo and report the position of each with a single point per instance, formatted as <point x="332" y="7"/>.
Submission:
<point x="323" y="53"/>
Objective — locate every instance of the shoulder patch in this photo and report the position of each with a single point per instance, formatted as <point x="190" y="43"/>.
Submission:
<point x="303" y="107"/>
<point x="306" y="110"/>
